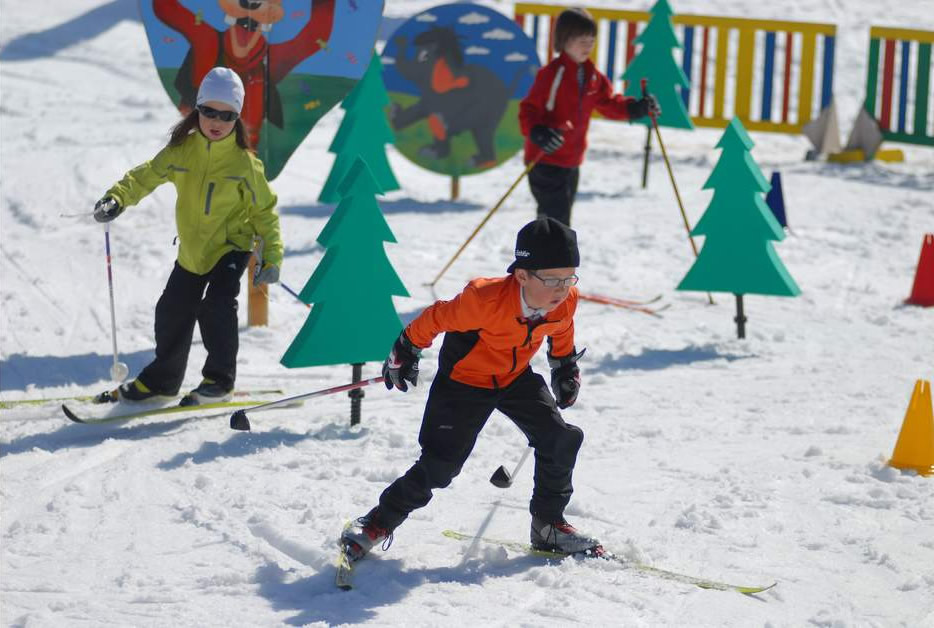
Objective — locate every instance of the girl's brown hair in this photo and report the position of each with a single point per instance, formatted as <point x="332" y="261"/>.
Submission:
<point x="189" y="123"/>
<point x="573" y="23"/>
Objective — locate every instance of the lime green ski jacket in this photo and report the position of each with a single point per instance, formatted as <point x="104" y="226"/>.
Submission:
<point x="223" y="199"/>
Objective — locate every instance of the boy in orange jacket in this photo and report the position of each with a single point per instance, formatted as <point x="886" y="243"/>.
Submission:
<point x="568" y="90"/>
<point x="492" y="330"/>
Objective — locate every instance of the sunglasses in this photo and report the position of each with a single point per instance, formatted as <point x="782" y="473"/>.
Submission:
<point x="217" y="114"/>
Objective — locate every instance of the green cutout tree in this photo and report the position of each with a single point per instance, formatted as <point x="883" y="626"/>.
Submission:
<point x="363" y="132"/>
<point x="656" y="63"/>
<point x="738" y="256"/>
<point x="353" y="319"/>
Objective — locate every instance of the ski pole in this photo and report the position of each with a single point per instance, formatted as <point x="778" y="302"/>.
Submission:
<point x="502" y="478"/>
<point x="239" y="420"/>
<point x="566" y="126"/>
<point x="489" y="215"/>
<point x="119" y="370"/>
<point x="671" y="175"/>
<point x="294" y="294"/>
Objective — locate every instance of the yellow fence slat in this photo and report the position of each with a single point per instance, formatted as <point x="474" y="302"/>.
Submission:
<point x="744" y="59"/>
<point x="806" y="82"/>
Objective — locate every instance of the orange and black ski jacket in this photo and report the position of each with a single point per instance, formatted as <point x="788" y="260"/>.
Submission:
<point x="487" y="341"/>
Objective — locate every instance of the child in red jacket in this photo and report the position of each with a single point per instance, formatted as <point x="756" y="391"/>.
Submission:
<point x="555" y="114"/>
<point x="491" y="331"/>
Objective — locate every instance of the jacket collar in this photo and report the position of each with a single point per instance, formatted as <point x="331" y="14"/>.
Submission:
<point x="225" y="145"/>
<point x="572" y="66"/>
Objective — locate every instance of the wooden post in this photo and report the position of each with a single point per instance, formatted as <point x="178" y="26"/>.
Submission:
<point x="356" y="395"/>
<point x="455" y="187"/>
<point x="740" y="318"/>
<point x="257" y="298"/>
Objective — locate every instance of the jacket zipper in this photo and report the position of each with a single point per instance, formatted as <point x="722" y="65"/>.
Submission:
<point x="207" y="201"/>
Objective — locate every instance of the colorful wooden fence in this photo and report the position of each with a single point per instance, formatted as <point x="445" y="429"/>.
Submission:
<point x="905" y="114"/>
<point x="773" y="69"/>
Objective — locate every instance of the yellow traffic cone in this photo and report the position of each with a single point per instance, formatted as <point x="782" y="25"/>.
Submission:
<point x="914" y="448"/>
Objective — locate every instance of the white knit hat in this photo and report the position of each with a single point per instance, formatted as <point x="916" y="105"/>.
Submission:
<point x="222" y="85"/>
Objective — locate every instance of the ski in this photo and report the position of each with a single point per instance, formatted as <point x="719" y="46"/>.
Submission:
<point x="625" y="563"/>
<point x="626" y="305"/>
<point x="108" y="397"/>
<point x="345" y="565"/>
<point x="194" y="411"/>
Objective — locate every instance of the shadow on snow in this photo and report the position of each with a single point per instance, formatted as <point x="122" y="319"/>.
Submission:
<point x="656" y="359"/>
<point x="82" y="28"/>
<point x="401" y="206"/>
<point x="248" y="443"/>
<point x="379" y="583"/>
<point x="19" y="371"/>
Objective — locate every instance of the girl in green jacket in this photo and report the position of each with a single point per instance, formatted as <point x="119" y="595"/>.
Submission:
<point x="224" y="201"/>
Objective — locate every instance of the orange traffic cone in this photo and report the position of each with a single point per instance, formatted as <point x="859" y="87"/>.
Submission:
<point x="914" y="449"/>
<point x="922" y="293"/>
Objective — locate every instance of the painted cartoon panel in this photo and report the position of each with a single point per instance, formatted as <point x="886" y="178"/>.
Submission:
<point x="297" y="58"/>
<point x="455" y="75"/>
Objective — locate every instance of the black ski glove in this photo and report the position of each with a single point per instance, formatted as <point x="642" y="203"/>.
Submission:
<point x="546" y="138"/>
<point x="565" y="378"/>
<point x="107" y="209"/>
<point x="645" y="106"/>
<point x="402" y="364"/>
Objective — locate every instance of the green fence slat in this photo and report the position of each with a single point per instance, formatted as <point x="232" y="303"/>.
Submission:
<point x="872" y="77"/>
<point x="922" y="89"/>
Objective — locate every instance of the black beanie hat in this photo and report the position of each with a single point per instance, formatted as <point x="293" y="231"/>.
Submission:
<point x="546" y="243"/>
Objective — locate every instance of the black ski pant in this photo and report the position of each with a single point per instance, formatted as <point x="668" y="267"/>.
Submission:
<point x="554" y="189"/>
<point x="184" y="302"/>
<point x="454" y="415"/>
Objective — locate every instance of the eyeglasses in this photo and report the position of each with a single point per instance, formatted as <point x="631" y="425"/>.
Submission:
<point x="212" y="113"/>
<point x="554" y="282"/>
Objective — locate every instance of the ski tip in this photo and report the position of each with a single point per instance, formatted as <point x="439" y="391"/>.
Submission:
<point x="755" y="590"/>
<point x="71" y="415"/>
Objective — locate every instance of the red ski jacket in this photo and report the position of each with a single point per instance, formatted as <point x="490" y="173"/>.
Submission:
<point x="556" y="97"/>
<point x="488" y="344"/>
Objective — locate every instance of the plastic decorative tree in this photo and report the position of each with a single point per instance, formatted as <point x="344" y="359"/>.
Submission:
<point x="364" y="132"/>
<point x="738" y="256"/>
<point x="656" y="63"/>
<point x="353" y="319"/>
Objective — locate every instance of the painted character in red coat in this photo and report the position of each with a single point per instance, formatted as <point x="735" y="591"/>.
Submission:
<point x="244" y="49"/>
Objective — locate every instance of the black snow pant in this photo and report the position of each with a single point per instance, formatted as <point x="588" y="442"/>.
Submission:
<point x="183" y="302"/>
<point x="454" y="415"/>
<point x="554" y="189"/>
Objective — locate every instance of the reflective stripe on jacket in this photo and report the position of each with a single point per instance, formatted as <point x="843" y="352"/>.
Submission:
<point x="556" y="97"/>
<point x="487" y="342"/>
<point x="223" y="199"/>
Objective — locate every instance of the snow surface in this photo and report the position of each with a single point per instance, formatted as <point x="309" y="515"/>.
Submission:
<point x="747" y="460"/>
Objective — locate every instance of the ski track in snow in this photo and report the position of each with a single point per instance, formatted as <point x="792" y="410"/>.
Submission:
<point x="745" y="461"/>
